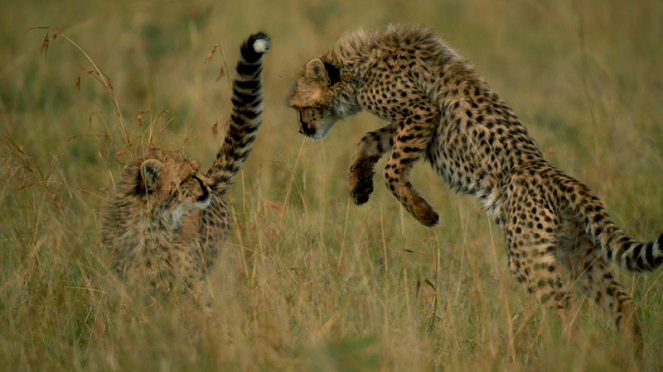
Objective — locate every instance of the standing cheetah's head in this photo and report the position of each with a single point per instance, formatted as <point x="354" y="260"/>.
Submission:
<point x="168" y="184"/>
<point x="314" y="98"/>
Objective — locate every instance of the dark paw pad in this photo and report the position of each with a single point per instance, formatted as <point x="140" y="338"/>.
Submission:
<point x="431" y="219"/>
<point x="425" y="214"/>
<point x="361" y="188"/>
<point x="360" y="181"/>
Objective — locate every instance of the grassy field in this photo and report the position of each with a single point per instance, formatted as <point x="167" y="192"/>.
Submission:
<point x="308" y="281"/>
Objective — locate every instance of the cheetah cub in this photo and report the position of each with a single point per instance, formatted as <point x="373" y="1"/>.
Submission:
<point x="438" y="108"/>
<point x="166" y="221"/>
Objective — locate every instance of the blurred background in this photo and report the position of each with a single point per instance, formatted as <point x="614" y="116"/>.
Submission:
<point x="307" y="280"/>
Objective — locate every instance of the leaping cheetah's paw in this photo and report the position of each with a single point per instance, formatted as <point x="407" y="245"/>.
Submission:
<point x="424" y="213"/>
<point x="360" y="181"/>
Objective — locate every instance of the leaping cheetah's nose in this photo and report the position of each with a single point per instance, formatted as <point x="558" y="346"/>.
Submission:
<point x="303" y="128"/>
<point x="306" y="130"/>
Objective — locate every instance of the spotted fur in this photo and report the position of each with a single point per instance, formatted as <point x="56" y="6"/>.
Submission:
<point x="166" y="221"/>
<point x="439" y="109"/>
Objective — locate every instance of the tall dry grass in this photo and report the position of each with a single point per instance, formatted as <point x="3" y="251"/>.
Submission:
<point x="308" y="281"/>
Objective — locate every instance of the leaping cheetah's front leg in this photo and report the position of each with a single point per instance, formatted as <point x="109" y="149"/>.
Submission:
<point x="412" y="139"/>
<point x="369" y="150"/>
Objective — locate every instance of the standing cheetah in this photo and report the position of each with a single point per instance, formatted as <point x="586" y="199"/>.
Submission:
<point x="166" y="221"/>
<point x="440" y="109"/>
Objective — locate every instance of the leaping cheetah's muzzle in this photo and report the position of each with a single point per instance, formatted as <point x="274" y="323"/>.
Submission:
<point x="303" y="128"/>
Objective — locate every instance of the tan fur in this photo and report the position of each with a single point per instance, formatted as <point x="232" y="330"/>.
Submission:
<point x="439" y="109"/>
<point x="150" y="230"/>
<point x="166" y="221"/>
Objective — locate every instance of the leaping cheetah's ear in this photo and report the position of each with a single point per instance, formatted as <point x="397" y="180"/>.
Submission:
<point x="150" y="171"/>
<point x="333" y="73"/>
<point x="315" y="69"/>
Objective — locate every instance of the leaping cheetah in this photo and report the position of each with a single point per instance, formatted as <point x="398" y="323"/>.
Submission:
<point x="438" y="108"/>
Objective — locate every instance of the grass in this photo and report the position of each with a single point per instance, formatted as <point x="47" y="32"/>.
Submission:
<point x="307" y="280"/>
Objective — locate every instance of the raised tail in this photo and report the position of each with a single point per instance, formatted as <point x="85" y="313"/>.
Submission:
<point x="628" y="253"/>
<point x="246" y="114"/>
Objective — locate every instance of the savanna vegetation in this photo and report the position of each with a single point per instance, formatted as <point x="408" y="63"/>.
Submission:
<point x="308" y="281"/>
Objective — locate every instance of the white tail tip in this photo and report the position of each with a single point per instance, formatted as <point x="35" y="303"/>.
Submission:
<point x="261" y="45"/>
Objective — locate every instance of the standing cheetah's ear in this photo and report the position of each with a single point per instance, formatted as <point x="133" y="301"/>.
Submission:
<point x="150" y="171"/>
<point x="315" y="70"/>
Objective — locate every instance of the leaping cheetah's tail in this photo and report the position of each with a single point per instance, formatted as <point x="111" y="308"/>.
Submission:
<point x="246" y="114"/>
<point x="628" y="253"/>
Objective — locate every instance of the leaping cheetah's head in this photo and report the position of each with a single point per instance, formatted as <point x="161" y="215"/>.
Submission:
<point x="168" y="183"/>
<point x="313" y="98"/>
